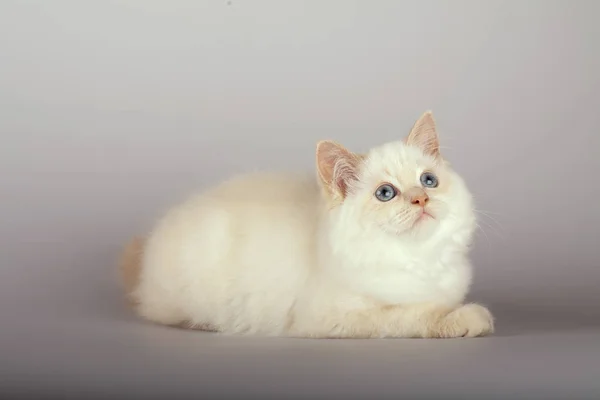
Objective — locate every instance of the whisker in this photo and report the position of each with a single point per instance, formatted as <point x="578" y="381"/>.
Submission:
<point x="488" y="212"/>
<point x="495" y="231"/>
<point x="498" y="229"/>
<point x="487" y="238"/>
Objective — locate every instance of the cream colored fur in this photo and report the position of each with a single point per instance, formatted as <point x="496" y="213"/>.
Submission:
<point x="291" y="255"/>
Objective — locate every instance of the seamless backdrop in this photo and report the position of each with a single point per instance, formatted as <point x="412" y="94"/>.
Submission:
<point x="111" y="110"/>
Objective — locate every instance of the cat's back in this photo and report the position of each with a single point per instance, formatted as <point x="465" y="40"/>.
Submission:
<point x="268" y="190"/>
<point x="245" y="243"/>
<point x="266" y="213"/>
<point x="241" y="216"/>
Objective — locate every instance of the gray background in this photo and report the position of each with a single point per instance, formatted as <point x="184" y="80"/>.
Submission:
<point x="111" y="111"/>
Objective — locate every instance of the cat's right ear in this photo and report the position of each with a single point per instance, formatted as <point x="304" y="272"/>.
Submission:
<point x="337" y="167"/>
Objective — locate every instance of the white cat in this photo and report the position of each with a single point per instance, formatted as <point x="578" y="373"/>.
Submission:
<point x="375" y="246"/>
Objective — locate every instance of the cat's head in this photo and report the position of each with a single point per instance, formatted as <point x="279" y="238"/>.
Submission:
<point x="401" y="188"/>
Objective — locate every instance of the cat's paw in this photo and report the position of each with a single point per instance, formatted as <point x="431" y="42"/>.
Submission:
<point x="469" y="320"/>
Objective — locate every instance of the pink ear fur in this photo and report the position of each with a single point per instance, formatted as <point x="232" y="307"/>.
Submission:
<point x="337" y="167"/>
<point x="424" y="135"/>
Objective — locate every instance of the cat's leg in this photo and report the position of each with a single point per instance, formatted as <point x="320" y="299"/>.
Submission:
<point x="415" y="321"/>
<point x="468" y="320"/>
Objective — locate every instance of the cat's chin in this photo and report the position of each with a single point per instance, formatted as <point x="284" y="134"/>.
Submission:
<point x="423" y="218"/>
<point x="422" y="226"/>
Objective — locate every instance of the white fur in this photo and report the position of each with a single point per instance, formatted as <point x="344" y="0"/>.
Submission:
<point x="269" y="254"/>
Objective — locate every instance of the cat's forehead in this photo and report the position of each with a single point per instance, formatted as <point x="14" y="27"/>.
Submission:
<point x="397" y="159"/>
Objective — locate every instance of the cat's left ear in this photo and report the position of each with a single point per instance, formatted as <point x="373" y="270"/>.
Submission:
<point x="424" y="135"/>
<point x="337" y="167"/>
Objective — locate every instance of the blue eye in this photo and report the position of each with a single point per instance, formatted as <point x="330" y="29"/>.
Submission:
<point x="386" y="192"/>
<point x="429" y="180"/>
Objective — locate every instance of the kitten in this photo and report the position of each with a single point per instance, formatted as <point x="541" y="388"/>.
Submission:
<point x="375" y="246"/>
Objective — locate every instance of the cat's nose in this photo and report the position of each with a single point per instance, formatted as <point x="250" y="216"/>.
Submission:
<point x="420" y="199"/>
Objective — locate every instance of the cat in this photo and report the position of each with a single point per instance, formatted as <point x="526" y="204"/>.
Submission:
<point x="373" y="245"/>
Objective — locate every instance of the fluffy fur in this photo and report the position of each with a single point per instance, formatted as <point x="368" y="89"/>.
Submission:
<point x="291" y="255"/>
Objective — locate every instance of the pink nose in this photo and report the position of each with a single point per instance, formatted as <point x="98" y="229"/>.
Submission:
<point x="420" y="200"/>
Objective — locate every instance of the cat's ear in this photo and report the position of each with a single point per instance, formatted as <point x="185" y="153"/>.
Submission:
<point x="337" y="167"/>
<point x="424" y="135"/>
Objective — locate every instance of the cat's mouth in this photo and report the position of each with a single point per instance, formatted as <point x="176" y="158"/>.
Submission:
<point x="423" y="217"/>
<point x="417" y="219"/>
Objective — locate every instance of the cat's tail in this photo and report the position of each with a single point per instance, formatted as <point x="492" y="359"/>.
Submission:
<point x="130" y="265"/>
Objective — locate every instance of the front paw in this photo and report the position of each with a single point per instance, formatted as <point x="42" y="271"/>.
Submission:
<point x="469" y="320"/>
